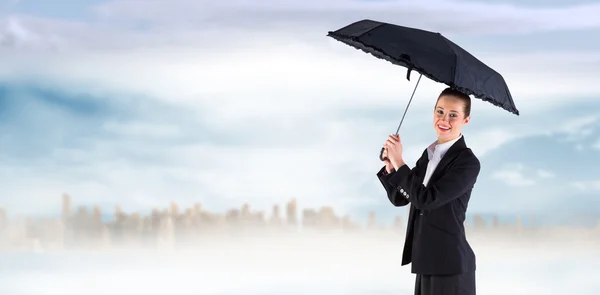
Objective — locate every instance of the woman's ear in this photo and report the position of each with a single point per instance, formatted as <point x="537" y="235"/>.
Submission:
<point x="467" y="119"/>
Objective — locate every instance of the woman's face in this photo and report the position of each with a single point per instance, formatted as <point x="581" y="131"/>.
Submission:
<point x="449" y="118"/>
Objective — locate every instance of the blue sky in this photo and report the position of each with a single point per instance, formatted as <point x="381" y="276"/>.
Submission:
<point x="226" y="103"/>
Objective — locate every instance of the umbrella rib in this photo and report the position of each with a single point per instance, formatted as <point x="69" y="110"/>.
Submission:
<point x="409" y="101"/>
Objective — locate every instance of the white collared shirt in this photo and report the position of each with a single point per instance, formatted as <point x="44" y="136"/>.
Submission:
<point x="435" y="153"/>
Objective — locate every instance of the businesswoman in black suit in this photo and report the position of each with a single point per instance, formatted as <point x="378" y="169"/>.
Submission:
<point x="438" y="189"/>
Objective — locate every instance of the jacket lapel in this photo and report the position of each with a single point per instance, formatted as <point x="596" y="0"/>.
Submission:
<point x="450" y="155"/>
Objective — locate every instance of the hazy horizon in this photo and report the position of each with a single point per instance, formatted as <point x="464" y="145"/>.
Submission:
<point x="316" y="264"/>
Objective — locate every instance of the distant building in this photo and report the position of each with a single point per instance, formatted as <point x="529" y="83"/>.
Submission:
<point x="495" y="222"/>
<point x="372" y="220"/>
<point x="66" y="208"/>
<point x="275" y="219"/>
<point x="327" y="218"/>
<point x="292" y="208"/>
<point x="3" y="219"/>
<point x="479" y="223"/>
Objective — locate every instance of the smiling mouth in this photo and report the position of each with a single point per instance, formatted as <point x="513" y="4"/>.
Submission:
<point x="443" y="128"/>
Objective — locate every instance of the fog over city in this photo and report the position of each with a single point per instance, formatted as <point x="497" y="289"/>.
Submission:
<point x="290" y="251"/>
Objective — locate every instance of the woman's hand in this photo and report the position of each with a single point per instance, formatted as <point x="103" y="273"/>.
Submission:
<point x="393" y="151"/>
<point x="388" y="165"/>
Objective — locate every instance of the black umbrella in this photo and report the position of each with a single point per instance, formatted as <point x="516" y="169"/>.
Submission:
<point x="430" y="54"/>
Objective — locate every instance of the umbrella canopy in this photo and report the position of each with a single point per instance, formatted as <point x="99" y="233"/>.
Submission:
<point x="430" y="54"/>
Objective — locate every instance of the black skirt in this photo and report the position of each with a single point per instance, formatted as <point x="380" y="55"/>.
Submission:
<point x="461" y="284"/>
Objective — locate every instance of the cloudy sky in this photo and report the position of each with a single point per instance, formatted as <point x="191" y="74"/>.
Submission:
<point x="140" y="103"/>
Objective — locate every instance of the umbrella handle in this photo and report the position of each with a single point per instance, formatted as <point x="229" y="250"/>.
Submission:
<point x="381" y="154"/>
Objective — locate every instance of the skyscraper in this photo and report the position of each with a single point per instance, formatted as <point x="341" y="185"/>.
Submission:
<point x="372" y="220"/>
<point x="3" y="219"/>
<point x="292" y="218"/>
<point x="66" y="208"/>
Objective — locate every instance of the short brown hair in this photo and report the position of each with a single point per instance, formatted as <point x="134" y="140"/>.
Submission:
<point x="460" y="96"/>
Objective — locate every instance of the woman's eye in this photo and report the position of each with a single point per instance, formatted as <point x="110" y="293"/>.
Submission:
<point x="453" y="115"/>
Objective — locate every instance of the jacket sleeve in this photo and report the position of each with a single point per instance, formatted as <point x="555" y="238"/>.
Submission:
<point x="455" y="182"/>
<point x="394" y="195"/>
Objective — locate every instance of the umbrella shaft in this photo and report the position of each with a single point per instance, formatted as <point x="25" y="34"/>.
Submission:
<point x="381" y="157"/>
<point x="409" y="101"/>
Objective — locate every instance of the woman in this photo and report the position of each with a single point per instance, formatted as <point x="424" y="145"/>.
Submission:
<point x="438" y="190"/>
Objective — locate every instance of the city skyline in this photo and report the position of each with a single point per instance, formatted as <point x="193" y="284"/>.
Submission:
<point x="68" y="208"/>
<point x="173" y="226"/>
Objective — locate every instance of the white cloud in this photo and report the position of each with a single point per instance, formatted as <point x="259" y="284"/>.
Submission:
<point x="317" y="158"/>
<point x="441" y="14"/>
<point x="586" y="186"/>
<point x="217" y="176"/>
<point x="578" y="128"/>
<point x="520" y="176"/>
<point x="15" y="35"/>
<point x="514" y="176"/>
<point x="287" y="73"/>
<point x="285" y="78"/>
<point x="149" y="165"/>
<point x="143" y="129"/>
<point x="490" y="139"/>
<point x="545" y="174"/>
<point x="487" y="138"/>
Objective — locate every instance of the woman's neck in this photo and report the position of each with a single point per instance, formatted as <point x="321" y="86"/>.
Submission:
<point x="442" y="141"/>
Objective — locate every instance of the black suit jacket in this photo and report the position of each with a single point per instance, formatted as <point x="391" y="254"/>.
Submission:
<point x="435" y="241"/>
